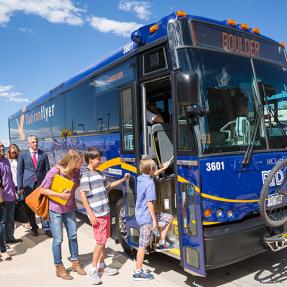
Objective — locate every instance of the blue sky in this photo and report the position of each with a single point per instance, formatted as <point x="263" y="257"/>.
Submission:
<point x="43" y="43"/>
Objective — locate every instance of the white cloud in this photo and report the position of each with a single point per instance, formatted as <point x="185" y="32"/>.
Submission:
<point x="55" y="11"/>
<point x="26" y="30"/>
<point x="5" y="142"/>
<point x="105" y="25"/>
<point x="7" y="93"/>
<point x="141" y="8"/>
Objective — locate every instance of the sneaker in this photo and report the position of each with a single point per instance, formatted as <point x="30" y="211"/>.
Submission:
<point x="108" y="271"/>
<point x="142" y="276"/>
<point x="163" y="247"/>
<point x="95" y="279"/>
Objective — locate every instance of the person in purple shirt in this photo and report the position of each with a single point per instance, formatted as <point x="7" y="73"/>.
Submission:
<point x="4" y="194"/>
<point x="9" y="198"/>
<point x="68" y="167"/>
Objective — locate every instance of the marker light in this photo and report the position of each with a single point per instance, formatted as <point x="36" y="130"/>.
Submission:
<point x="229" y="213"/>
<point x="231" y="22"/>
<point x="207" y="212"/>
<point x="153" y="28"/>
<point x="180" y="13"/>
<point x="282" y="44"/>
<point x="244" y="26"/>
<point x="256" y="30"/>
<point x="219" y="213"/>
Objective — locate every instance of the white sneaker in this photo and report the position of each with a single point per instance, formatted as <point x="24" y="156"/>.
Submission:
<point x="95" y="279"/>
<point x="108" y="271"/>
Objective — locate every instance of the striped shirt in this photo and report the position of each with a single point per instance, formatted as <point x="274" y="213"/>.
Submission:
<point x="95" y="184"/>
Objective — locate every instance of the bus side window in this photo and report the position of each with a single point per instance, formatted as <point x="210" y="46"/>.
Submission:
<point x="127" y="129"/>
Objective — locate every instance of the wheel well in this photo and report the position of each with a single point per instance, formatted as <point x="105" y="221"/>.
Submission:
<point x="114" y="196"/>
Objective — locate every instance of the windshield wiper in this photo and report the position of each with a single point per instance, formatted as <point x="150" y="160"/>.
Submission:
<point x="249" y="150"/>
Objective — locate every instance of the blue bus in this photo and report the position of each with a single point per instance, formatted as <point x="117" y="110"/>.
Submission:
<point x="221" y="88"/>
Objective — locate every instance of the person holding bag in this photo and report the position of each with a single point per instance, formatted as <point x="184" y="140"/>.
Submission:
<point x="59" y="214"/>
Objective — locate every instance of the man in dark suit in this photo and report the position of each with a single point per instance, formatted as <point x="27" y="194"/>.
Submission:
<point x="32" y="167"/>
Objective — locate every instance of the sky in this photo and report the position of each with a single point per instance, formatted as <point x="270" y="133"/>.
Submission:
<point x="45" y="42"/>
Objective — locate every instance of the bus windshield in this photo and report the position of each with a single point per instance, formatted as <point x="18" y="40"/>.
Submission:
<point x="228" y="91"/>
<point x="272" y="84"/>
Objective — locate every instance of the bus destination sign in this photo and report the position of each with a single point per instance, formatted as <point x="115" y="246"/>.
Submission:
<point x="240" y="45"/>
<point x="237" y="42"/>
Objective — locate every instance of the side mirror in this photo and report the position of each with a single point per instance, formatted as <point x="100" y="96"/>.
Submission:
<point x="187" y="89"/>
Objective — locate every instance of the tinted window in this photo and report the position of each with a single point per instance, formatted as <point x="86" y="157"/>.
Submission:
<point x="228" y="92"/>
<point x="38" y="121"/>
<point x="272" y="84"/>
<point x="184" y="137"/>
<point x="154" y="60"/>
<point x="58" y="120"/>
<point x="107" y="111"/>
<point x="14" y="130"/>
<point x="115" y="77"/>
<point x="80" y="108"/>
<point x="127" y="120"/>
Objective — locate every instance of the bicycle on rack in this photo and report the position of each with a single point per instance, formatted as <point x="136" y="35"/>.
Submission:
<point x="273" y="205"/>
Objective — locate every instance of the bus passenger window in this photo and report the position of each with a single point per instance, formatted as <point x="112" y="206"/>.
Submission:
<point x="80" y="108"/>
<point x="127" y="120"/>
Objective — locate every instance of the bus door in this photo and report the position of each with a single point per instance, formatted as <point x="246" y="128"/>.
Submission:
<point x="189" y="212"/>
<point x="128" y="228"/>
<point x="189" y="218"/>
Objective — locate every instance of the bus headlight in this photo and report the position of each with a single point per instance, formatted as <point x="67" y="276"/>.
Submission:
<point x="219" y="213"/>
<point x="229" y="213"/>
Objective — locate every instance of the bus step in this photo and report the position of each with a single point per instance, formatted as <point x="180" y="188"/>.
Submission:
<point x="276" y="242"/>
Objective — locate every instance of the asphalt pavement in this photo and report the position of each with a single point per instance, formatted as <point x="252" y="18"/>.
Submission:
<point x="32" y="266"/>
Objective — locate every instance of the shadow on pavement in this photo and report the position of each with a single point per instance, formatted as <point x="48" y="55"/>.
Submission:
<point x="277" y="273"/>
<point x="266" y="268"/>
<point x="29" y="241"/>
<point x="118" y="258"/>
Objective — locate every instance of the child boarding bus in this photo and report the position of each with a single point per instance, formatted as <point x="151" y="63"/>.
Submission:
<point x="221" y="89"/>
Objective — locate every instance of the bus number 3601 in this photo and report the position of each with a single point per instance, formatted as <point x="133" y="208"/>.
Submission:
<point x="215" y="165"/>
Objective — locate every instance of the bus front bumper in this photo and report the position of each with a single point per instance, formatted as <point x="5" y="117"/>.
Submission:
<point x="231" y="243"/>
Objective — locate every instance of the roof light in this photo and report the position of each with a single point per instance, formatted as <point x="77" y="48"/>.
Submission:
<point x="153" y="28"/>
<point x="282" y="44"/>
<point x="256" y="30"/>
<point x="244" y="26"/>
<point x="180" y="13"/>
<point x="231" y="22"/>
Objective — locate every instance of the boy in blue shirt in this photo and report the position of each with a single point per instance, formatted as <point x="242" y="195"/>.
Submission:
<point x="146" y="217"/>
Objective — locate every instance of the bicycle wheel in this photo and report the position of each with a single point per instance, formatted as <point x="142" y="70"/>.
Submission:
<point x="273" y="197"/>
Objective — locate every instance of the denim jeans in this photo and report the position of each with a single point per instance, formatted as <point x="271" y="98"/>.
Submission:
<point x="2" y="245"/>
<point x="7" y="220"/>
<point x="56" y="224"/>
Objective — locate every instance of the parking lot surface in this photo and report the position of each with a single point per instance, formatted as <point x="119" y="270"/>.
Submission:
<point x="32" y="266"/>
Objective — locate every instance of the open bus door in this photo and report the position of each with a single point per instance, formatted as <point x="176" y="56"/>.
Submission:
<point x="189" y="212"/>
<point x="125" y="212"/>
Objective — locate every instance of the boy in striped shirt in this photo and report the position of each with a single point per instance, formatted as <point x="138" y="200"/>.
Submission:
<point x="94" y="195"/>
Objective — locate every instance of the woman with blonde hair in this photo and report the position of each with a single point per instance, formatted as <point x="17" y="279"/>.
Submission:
<point x="13" y="154"/>
<point x="68" y="167"/>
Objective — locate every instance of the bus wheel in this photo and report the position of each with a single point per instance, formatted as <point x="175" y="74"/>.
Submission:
<point x="122" y="229"/>
<point x="273" y="197"/>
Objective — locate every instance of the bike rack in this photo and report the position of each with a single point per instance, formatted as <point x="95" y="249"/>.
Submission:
<point x="276" y="242"/>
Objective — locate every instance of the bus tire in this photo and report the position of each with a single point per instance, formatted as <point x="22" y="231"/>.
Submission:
<point x="121" y="228"/>
<point x="278" y="216"/>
